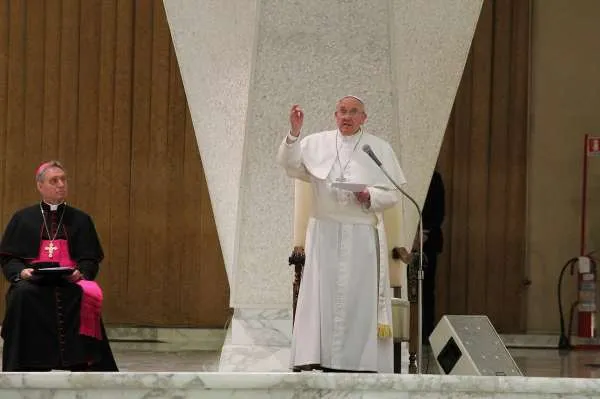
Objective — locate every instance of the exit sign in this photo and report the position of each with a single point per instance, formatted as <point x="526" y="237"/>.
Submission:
<point x="593" y="146"/>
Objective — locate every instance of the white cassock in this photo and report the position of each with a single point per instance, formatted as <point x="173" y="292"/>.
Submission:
<point x="343" y="316"/>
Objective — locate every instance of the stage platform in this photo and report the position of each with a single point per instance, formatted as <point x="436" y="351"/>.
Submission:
<point x="59" y="385"/>
<point x="180" y="363"/>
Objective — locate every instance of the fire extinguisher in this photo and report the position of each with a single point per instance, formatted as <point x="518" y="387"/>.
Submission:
<point x="585" y="305"/>
<point x="587" y="298"/>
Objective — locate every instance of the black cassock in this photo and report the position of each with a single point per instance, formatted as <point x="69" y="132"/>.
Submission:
<point x="433" y="217"/>
<point x="41" y="322"/>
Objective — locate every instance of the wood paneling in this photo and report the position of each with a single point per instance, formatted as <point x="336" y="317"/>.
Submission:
<point x="4" y="53"/>
<point x="483" y="164"/>
<point x="119" y="229"/>
<point x="95" y="83"/>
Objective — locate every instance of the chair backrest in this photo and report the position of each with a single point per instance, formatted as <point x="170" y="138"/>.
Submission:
<point x="303" y="202"/>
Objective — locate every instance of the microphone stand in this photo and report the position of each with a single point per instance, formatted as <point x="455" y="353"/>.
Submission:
<point x="420" y="273"/>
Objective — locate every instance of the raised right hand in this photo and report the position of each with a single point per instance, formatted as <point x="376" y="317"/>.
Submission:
<point x="296" y="120"/>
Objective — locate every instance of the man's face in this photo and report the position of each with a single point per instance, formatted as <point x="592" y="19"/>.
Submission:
<point x="349" y="115"/>
<point x="53" y="187"/>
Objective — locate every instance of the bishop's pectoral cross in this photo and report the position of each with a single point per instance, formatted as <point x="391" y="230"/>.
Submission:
<point x="51" y="248"/>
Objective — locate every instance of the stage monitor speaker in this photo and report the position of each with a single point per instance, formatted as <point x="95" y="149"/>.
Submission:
<point x="470" y="345"/>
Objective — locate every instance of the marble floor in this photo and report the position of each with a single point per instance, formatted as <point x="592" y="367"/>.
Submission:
<point x="153" y="357"/>
<point x="546" y="363"/>
<point x="150" y="359"/>
<point x="532" y="362"/>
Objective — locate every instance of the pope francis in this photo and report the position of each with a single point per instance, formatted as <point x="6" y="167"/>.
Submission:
<point x="343" y="317"/>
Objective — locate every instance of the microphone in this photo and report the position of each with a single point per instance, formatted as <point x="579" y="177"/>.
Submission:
<point x="420" y="275"/>
<point x="367" y="148"/>
<point x="369" y="151"/>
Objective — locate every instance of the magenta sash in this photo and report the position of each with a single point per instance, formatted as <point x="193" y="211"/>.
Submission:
<point x="91" y="299"/>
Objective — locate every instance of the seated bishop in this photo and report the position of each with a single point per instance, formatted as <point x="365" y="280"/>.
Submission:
<point x="50" y="253"/>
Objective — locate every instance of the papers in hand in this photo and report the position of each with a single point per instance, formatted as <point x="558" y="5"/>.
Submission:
<point x="354" y="187"/>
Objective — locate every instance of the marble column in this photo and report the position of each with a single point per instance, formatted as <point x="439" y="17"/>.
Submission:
<point x="244" y="63"/>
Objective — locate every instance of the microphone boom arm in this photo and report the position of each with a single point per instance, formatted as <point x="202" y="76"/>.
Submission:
<point x="420" y="273"/>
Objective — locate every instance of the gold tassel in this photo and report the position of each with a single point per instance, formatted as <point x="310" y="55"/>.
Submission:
<point x="384" y="330"/>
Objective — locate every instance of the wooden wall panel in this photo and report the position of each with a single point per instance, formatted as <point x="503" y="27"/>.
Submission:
<point x="117" y="243"/>
<point x="500" y="96"/>
<point x="4" y="103"/>
<point x="15" y="112"/>
<point x="483" y="164"/>
<point x="176" y="211"/>
<point x="34" y="79"/>
<point x="142" y="218"/>
<point x="4" y="53"/>
<point x="478" y="159"/>
<point x="159" y="190"/>
<point x="69" y="89"/>
<point x="106" y="164"/>
<point x="85" y="182"/>
<point x="518" y="130"/>
<point x="51" y="92"/>
<point x="95" y="83"/>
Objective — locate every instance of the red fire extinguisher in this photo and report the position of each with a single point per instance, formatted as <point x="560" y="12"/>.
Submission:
<point x="587" y="298"/>
<point x="587" y="301"/>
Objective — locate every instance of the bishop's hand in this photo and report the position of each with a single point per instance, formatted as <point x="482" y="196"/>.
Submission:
<point x="26" y="274"/>
<point x="296" y="120"/>
<point x="74" y="277"/>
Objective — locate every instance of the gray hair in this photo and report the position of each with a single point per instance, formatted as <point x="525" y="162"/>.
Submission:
<point x="354" y="97"/>
<point x="41" y="170"/>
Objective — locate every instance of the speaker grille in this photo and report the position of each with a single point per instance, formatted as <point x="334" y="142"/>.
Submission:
<point x="449" y="355"/>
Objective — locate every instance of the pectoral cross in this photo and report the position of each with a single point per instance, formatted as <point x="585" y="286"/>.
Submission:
<point x="51" y="248"/>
